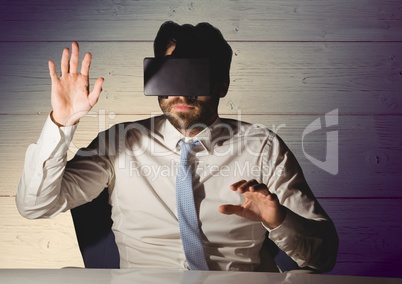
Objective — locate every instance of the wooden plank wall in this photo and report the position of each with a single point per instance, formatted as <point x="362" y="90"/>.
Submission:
<point x="294" y="61"/>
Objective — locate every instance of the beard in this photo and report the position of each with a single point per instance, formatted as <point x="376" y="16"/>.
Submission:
<point x="201" y="116"/>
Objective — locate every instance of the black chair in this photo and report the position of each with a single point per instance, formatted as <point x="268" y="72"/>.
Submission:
<point x="282" y="260"/>
<point x="92" y="222"/>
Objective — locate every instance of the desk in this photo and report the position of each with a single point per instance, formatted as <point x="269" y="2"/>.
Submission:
<point x="156" y="276"/>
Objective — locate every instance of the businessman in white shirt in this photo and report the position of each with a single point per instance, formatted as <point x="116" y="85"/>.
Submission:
<point x="247" y="183"/>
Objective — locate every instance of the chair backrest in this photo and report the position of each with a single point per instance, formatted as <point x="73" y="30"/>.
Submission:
<point x="93" y="223"/>
<point x="282" y="260"/>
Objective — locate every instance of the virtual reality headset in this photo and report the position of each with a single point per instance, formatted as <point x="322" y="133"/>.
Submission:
<point x="170" y="76"/>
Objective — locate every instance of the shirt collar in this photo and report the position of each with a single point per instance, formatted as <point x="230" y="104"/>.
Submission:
<point x="172" y="136"/>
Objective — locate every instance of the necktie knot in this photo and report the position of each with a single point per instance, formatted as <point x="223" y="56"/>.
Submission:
<point x="186" y="150"/>
<point x="188" y="146"/>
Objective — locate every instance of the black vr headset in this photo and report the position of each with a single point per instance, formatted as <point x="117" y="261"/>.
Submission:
<point x="170" y="76"/>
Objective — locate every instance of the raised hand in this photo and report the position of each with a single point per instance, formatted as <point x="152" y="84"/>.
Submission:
<point x="259" y="204"/>
<point x="71" y="98"/>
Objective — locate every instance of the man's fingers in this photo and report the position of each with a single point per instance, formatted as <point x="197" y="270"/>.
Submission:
<point x="64" y="61"/>
<point x="86" y="63"/>
<point x="261" y="196"/>
<point x="52" y="71"/>
<point x="243" y="186"/>
<point x="229" y="209"/>
<point x="94" y="95"/>
<point x="74" y="58"/>
<point x="236" y="185"/>
<point x="260" y="188"/>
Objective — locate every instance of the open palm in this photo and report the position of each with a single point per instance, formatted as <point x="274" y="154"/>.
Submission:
<point x="70" y="97"/>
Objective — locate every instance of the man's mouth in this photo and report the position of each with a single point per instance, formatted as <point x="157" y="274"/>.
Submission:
<point x="182" y="107"/>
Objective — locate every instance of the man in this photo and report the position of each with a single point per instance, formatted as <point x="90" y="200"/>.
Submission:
<point x="246" y="181"/>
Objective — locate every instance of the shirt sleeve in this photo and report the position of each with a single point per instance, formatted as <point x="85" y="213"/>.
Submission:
<point x="49" y="184"/>
<point x="307" y="234"/>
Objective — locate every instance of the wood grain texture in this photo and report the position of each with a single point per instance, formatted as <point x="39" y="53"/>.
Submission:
<point x="46" y="243"/>
<point x="369" y="232"/>
<point x="257" y="20"/>
<point x="285" y="78"/>
<point x="294" y="61"/>
<point x="369" y="159"/>
<point x="52" y="244"/>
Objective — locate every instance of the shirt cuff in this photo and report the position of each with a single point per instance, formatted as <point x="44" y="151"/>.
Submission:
<point x="288" y="227"/>
<point x="54" y="140"/>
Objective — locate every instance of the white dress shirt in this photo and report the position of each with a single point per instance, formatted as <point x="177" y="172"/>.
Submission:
<point x="137" y="161"/>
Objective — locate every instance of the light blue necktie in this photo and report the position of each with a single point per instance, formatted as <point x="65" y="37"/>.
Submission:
<point x="188" y="220"/>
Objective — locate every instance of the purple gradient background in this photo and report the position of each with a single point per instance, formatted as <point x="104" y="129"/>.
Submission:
<point x="358" y="192"/>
